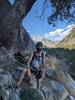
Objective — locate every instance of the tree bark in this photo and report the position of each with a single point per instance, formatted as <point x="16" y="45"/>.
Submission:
<point x="4" y="9"/>
<point x="11" y="25"/>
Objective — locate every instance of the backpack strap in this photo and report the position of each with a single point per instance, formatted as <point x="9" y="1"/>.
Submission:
<point x="42" y="57"/>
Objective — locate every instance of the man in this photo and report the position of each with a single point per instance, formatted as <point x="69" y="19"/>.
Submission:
<point x="36" y="64"/>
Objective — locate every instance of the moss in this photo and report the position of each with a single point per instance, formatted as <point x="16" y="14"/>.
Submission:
<point x="30" y="94"/>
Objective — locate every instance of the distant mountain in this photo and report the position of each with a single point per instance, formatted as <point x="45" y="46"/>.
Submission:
<point x="60" y="33"/>
<point x="53" y="38"/>
<point x="47" y="43"/>
<point x="69" y="41"/>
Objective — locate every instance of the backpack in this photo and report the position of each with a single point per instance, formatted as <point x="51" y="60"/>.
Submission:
<point x="20" y="58"/>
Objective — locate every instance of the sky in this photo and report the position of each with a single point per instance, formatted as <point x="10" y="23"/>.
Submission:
<point x="59" y="34"/>
<point x="39" y="26"/>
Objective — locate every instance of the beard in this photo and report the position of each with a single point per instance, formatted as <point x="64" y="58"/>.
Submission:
<point x="39" y="49"/>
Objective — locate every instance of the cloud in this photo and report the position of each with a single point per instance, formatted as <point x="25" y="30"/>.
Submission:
<point x="71" y="26"/>
<point x="59" y="34"/>
<point x="56" y="32"/>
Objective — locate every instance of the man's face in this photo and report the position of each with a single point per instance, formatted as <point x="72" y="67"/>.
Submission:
<point x="39" y="48"/>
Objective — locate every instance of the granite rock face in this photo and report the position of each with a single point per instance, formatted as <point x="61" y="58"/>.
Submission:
<point x="6" y="86"/>
<point x="58" y="85"/>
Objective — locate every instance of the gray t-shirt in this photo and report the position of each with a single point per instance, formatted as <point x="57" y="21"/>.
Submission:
<point x="37" y="62"/>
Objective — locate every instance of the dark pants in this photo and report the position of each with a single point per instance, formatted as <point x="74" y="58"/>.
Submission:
<point x="37" y="73"/>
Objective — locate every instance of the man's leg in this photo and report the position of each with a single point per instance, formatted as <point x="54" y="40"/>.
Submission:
<point x="41" y="78"/>
<point x="28" y="73"/>
<point x="29" y="76"/>
<point x="22" y="76"/>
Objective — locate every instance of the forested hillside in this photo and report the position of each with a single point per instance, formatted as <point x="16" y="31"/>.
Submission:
<point x="65" y="50"/>
<point x="69" y="41"/>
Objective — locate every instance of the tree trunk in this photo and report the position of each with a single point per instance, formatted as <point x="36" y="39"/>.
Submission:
<point x="10" y="28"/>
<point x="4" y="9"/>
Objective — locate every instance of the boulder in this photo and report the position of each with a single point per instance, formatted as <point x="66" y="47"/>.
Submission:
<point x="8" y="90"/>
<point x="5" y="78"/>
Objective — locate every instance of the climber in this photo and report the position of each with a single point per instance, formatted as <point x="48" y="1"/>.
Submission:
<point x="36" y="64"/>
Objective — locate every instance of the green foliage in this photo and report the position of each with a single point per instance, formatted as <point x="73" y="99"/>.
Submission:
<point x="66" y="46"/>
<point x="30" y="94"/>
<point x="62" y="9"/>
